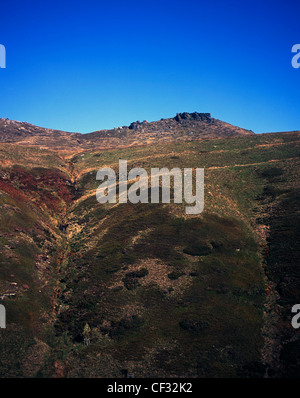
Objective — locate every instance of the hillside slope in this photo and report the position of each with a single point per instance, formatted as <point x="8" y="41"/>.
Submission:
<point x="184" y="126"/>
<point x="154" y="291"/>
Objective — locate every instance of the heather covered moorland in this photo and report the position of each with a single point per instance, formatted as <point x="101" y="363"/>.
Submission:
<point x="97" y="290"/>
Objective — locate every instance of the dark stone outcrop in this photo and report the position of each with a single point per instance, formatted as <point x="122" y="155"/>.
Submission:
<point x="134" y="125"/>
<point x="199" y="117"/>
<point x="137" y="124"/>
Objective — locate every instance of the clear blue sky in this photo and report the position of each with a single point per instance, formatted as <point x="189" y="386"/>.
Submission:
<point x="90" y="65"/>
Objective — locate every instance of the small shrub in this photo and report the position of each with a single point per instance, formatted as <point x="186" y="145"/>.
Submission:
<point x="175" y="275"/>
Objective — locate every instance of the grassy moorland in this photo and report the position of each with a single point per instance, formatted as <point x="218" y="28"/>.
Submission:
<point x="154" y="291"/>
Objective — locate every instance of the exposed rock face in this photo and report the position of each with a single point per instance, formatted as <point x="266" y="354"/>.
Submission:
<point x="182" y="118"/>
<point x="136" y="125"/>
<point x="200" y="117"/>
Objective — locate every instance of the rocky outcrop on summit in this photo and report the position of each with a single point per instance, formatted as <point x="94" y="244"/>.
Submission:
<point x="199" y="117"/>
<point x="136" y="125"/>
<point x="183" y="127"/>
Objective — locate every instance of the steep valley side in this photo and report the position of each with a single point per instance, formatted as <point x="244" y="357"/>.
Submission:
<point x="154" y="292"/>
